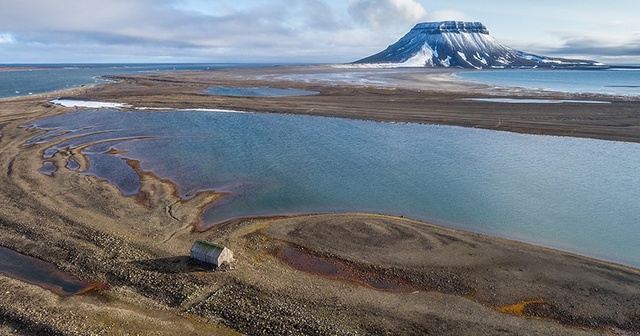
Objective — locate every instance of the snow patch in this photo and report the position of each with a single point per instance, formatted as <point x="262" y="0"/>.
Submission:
<point x="423" y="58"/>
<point x="94" y="104"/>
<point x="88" y="104"/>
<point x="446" y="62"/>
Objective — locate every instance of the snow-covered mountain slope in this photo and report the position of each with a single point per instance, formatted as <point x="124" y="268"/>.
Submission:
<point x="465" y="45"/>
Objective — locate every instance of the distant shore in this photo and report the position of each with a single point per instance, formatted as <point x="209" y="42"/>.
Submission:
<point x="22" y="68"/>
<point x="430" y="96"/>
<point x="439" y="280"/>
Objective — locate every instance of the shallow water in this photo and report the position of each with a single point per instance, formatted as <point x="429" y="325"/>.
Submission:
<point x="579" y="195"/>
<point x="38" y="272"/>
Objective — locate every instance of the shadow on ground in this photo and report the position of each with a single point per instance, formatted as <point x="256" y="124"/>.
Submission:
<point x="173" y="265"/>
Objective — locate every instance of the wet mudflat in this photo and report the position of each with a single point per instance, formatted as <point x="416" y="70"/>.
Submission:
<point x="336" y="269"/>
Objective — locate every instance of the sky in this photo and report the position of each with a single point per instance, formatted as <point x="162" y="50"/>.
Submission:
<point x="305" y="31"/>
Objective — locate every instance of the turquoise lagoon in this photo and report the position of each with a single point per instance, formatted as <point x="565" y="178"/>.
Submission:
<point x="578" y="195"/>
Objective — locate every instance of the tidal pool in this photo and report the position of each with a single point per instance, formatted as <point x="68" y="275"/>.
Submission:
<point x="578" y="195"/>
<point x="41" y="273"/>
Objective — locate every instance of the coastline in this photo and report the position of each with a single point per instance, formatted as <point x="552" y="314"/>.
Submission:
<point x="21" y="68"/>
<point x="140" y="248"/>
<point x="73" y="91"/>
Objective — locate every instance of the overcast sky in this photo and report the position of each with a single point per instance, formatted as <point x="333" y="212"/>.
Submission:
<point x="325" y="31"/>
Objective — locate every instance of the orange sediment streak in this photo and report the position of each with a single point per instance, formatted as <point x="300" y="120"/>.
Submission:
<point x="97" y="286"/>
<point x="518" y="308"/>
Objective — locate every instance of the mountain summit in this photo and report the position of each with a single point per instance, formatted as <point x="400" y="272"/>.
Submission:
<point x="465" y="45"/>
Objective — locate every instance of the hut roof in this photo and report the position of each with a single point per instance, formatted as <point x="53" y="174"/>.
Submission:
<point x="206" y="247"/>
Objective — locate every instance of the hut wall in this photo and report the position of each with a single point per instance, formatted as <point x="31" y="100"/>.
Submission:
<point x="211" y="253"/>
<point x="225" y="256"/>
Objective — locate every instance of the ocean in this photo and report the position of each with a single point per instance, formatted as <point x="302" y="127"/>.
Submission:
<point x="617" y="81"/>
<point x="42" y="78"/>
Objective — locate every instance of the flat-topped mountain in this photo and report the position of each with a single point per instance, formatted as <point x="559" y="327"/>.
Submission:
<point x="465" y="45"/>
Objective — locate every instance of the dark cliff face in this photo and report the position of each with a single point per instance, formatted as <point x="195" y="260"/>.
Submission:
<point x="464" y="45"/>
<point x="452" y="27"/>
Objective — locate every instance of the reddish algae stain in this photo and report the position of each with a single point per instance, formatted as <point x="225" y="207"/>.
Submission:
<point x="335" y="269"/>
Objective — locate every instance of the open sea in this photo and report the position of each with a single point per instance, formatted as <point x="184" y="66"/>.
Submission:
<point x="578" y="195"/>
<point x="43" y="78"/>
<point x="617" y="81"/>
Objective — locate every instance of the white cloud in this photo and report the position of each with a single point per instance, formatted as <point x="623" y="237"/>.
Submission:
<point x="448" y="15"/>
<point x="253" y="31"/>
<point x="6" y="38"/>
<point x="274" y="31"/>
<point x="387" y="14"/>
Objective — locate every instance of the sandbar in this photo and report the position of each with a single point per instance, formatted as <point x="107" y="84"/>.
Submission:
<point x="429" y="96"/>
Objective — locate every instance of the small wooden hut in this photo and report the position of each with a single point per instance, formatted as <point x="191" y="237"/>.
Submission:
<point x="211" y="253"/>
